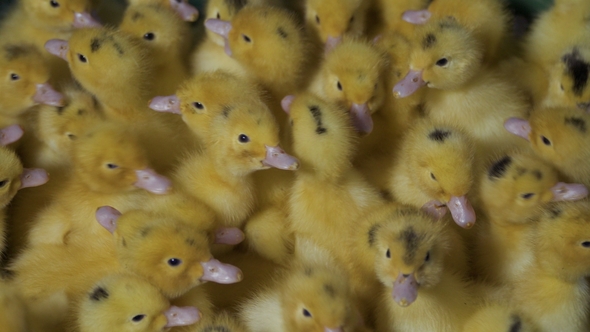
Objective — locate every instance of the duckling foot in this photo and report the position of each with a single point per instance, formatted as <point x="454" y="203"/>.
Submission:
<point x="569" y="191"/>
<point x="10" y="134"/>
<point x="462" y="211"/>
<point x="405" y="289"/>
<point x="182" y="316"/>
<point x="216" y="271"/>
<point x="416" y="16"/>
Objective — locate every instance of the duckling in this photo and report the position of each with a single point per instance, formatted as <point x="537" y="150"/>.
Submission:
<point x="558" y="136"/>
<point x="332" y="20"/>
<point x="312" y="295"/>
<point x="182" y="8"/>
<point x="495" y="317"/>
<point x="166" y="37"/>
<point x="412" y="251"/>
<point x="126" y="302"/>
<point x="434" y="168"/>
<point x="511" y="193"/>
<point x="13" y="316"/>
<point x="568" y="79"/>
<point x="221" y="322"/>
<point x="462" y="92"/>
<point x="26" y="82"/>
<point x="553" y="290"/>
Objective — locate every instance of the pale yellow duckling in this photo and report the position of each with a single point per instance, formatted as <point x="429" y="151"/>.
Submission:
<point x="568" y="79"/>
<point x="222" y="322"/>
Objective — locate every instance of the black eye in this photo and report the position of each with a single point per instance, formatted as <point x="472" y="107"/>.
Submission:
<point x="14" y="77"/>
<point x="112" y="166"/>
<point x="218" y="16"/>
<point x="306" y="313"/>
<point x="388" y="253"/>
<point x="138" y="318"/>
<point x="174" y="262"/>
<point x="442" y="62"/>
<point x="432" y="176"/>
<point x="545" y="140"/>
<point x="149" y="36"/>
<point x="427" y="258"/>
<point x="527" y="195"/>
<point x="351" y="19"/>
<point x="243" y="138"/>
<point x="246" y="38"/>
<point x="317" y="19"/>
<point x="54" y="3"/>
<point x="3" y="183"/>
<point x="82" y="58"/>
<point x="586" y="244"/>
<point x="339" y="86"/>
<point x="73" y="137"/>
<point x="198" y="105"/>
<point x="561" y="86"/>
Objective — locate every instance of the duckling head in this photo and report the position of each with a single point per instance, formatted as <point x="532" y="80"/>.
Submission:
<point x="60" y="15"/>
<point x="170" y="254"/>
<point x="331" y="20"/>
<point x="158" y="29"/>
<point x="572" y="83"/>
<point x="323" y="137"/>
<point x="445" y="56"/>
<point x="221" y="10"/>
<point x="351" y="76"/>
<point x="25" y="84"/>
<point x="129" y="303"/>
<point x="109" y="159"/>
<point x="410" y="247"/>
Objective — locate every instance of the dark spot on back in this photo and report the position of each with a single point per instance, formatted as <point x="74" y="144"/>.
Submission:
<point x="136" y="16"/>
<point x="226" y="109"/>
<point x="95" y="44"/>
<point x="99" y="294"/>
<point x="537" y="174"/>
<point x="282" y="33"/>
<point x="579" y="123"/>
<point x="577" y="69"/>
<point x="329" y="289"/>
<point x="499" y="168"/>
<point x="439" y="135"/>
<point x="411" y="242"/>
<point x="428" y="41"/>
<point x="317" y="115"/>
<point x="216" y="328"/>
<point x="516" y="324"/>
<point x="12" y="51"/>
<point x="372" y="233"/>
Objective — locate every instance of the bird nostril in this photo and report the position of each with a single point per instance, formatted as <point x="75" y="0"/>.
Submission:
<point x="405" y="275"/>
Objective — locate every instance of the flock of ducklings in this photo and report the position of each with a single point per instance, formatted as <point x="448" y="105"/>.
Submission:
<point x="312" y="166"/>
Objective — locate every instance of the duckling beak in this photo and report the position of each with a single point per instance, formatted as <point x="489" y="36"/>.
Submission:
<point x="416" y="16"/>
<point x="185" y="10"/>
<point x="47" y="95"/>
<point x="33" y="177"/>
<point x="85" y="20"/>
<point x="287" y="102"/>
<point x="361" y="118"/>
<point x="169" y="104"/>
<point x="221" y="28"/>
<point x="331" y="43"/>
<point x="229" y="235"/>
<point x="151" y="181"/>
<point x="405" y="289"/>
<point x="568" y="191"/>
<point x="278" y="158"/>
<point x="58" y="47"/>
<point x="216" y="271"/>
<point x="462" y="211"/>
<point x="435" y="209"/>
<point x="182" y="316"/>
<point x="518" y="127"/>
<point x="409" y="84"/>
<point x="338" y="329"/>
<point x="107" y="217"/>
<point x="10" y="134"/>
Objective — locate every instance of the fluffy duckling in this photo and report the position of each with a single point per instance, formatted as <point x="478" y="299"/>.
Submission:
<point x="182" y="8"/>
<point x="312" y="295"/>
<point x="553" y="291"/>
<point x="495" y="317"/>
<point x="448" y="60"/>
<point x="412" y="251"/>
<point x="434" y="169"/>
<point x="511" y="193"/>
<point x="13" y="314"/>
<point x="25" y="85"/>
<point x="222" y="322"/>
<point x="331" y="20"/>
<point x="166" y="37"/>
<point x="128" y="303"/>
<point x="559" y="136"/>
<point x="568" y="79"/>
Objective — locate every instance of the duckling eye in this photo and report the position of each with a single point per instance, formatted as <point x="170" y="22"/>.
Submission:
<point x="82" y="58"/>
<point x="14" y="77"/>
<point x="561" y="86"/>
<point x="339" y="86"/>
<point x="388" y="253"/>
<point x="72" y="137"/>
<point x="317" y="19"/>
<point x="527" y="195"/>
<point x="351" y="19"/>
<point x="138" y="318"/>
<point x="198" y="105"/>
<point x="243" y="138"/>
<point x="306" y="313"/>
<point x="586" y="244"/>
<point x="174" y="262"/>
<point x="149" y="36"/>
<point x="218" y="16"/>
<point x="111" y="166"/>
<point x="246" y="38"/>
<point x="3" y="183"/>
<point x="545" y="140"/>
<point x="54" y="3"/>
<point x="432" y="176"/>
<point x="427" y="258"/>
<point x="442" y="62"/>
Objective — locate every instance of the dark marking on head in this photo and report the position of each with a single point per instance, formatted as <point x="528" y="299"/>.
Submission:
<point x="537" y="174"/>
<point x="12" y="51"/>
<point x="215" y="328"/>
<point x="60" y="110"/>
<point x="235" y="5"/>
<point x="282" y="33"/>
<point x="520" y="171"/>
<point x="516" y="324"/>
<point x="191" y="242"/>
<point x="95" y="44"/>
<point x="99" y="294"/>
<point x="448" y="22"/>
<point x="554" y="212"/>
<point x="428" y="41"/>
<point x="386" y="195"/>
<point x="372" y="234"/>
<point x="439" y="135"/>
<point x="308" y="271"/>
<point x="577" y="69"/>
<point x="499" y="168"/>
<point x="95" y="101"/>
<point x="329" y="289"/>
<point x="579" y="123"/>
<point x="226" y="109"/>
<point x="411" y="242"/>
<point x="145" y="231"/>
<point x="81" y="112"/>
<point x="136" y="16"/>
<point x="119" y="49"/>
<point x="317" y="115"/>
<point x="123" y="242"/>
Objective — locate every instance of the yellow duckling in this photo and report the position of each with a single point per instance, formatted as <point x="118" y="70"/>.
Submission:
<point x="331" y="20"/>
<point x="128" y="303"/>
<point x="568" y="79"/>
<point x="182" y="8"/>
<point x="167" y="39"/>
<point x="13" y="316"/>
<point x="498" y="317"/>
<point x="511" y="193"/>
<point x="222" y="322"/>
